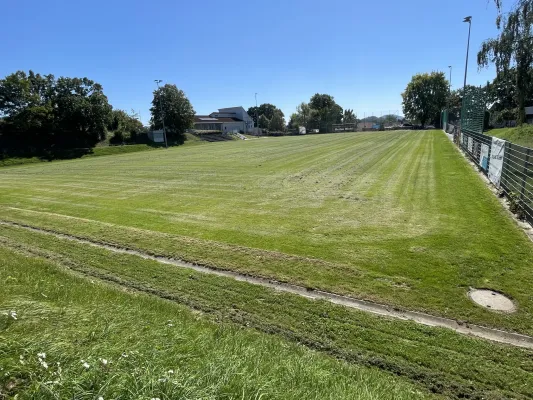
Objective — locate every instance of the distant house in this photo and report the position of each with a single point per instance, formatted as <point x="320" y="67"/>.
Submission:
<point x="225" y="120"/>
<point x="529" y="115"/>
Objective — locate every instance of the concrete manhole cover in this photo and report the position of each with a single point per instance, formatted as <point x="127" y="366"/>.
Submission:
<point x="491" y="300"/>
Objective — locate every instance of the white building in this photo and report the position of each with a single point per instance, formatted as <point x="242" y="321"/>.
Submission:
<point x="225" y="120"/>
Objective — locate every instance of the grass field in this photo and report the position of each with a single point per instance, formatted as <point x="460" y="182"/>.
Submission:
<point x="391" y="217"/>
<point x="99" y="341"/>
<point x="395" y="217"/>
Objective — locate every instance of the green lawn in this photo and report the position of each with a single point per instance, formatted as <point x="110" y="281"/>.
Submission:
<point x="100" y="341"/>
<point x="522" y="136"/>
<point x="396" y="217"/>
<point x="71" y="318"/>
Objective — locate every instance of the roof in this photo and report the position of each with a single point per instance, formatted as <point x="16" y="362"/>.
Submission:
<point x="206" y="119"/>
<point x="230" y="108"/>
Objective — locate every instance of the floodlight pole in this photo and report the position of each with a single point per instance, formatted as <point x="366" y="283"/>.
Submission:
<point x="450" y="83"/>
<point x="469" y="20"/>
<point x="158" y="81"/>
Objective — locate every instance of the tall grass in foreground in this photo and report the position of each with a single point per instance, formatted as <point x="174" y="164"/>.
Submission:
<point x="64" y="336"/>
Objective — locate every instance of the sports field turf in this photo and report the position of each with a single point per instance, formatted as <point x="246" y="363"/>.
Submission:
<point x="395" y="217"/>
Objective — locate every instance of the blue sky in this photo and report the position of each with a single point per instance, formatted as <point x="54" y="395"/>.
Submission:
<point x="221" y="53"/>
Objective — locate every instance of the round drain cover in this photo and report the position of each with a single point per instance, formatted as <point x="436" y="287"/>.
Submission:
<point x="491" y="300"/>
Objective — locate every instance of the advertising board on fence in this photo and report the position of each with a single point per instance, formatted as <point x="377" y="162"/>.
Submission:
<point x="484" y="156"/>
<point x="497" y="151"/>
<point x="470" y="144"/>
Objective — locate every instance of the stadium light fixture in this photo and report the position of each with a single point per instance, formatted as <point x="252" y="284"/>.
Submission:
<point x="469" y="20"/>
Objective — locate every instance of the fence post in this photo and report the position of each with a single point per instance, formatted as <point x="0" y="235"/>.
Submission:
<point x="524" y="177"/>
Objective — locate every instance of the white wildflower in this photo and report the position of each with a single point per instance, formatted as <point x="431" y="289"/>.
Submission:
<point x="170" y="371"/>
<point x="155" y="398"/>
<point x="100" y="398"/>
<point x="41" y="355"/>
<point x="124" y="355"/>
<point x="44" y="364"/>
<point x="13" y="314"/>
<point x="171" y="325"/>
<point x="103" y="361"/>
<point x="162" y="380"/>
<point x="85" y="364"/>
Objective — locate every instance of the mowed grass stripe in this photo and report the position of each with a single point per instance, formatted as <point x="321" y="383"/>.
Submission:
<point x="444" y="362"/>
<point x="407" y="222"/>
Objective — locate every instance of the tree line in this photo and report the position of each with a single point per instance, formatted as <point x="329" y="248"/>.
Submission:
<point x="45" y="115"/>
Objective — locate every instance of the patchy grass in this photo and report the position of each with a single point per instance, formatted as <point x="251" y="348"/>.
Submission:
<point x="394" y="217"/>
<point x="522" y="135"/>
<point x="64" y="336"/>
<point x="72" y="320"/>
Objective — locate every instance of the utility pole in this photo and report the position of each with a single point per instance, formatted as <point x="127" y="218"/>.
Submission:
<point x="469" y="20"/>
<point x="158" y="81"/>
<point x="450" y="83"/>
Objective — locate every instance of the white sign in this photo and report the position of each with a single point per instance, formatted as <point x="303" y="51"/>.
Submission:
<point x="301" y="130"/>
<point x="470" y="144"/>
<point x="497" y="151"/>
<point x="484" y="156"/>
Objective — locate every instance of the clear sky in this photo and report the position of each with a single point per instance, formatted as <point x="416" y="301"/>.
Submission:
<point x="221" y="53"/>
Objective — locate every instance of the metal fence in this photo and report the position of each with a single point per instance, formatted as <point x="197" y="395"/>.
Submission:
<point x="510" y="168"/>
<point x="517" y="177"/>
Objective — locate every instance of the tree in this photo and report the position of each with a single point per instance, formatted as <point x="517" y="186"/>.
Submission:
<point x="349" y="117"/>
<point x="512" y="48"/>
<point x="304" y="113"/>
<point x="277" y="123"/>
<point x="425" y="96"/>
<point x="125" y="128"/>
<point x="264" y="122"/>
<point x="293" y="121"/>
<point x="266" y="109"/>
<point x="177" y="112"/>
<point x="325" y="111"/>
<point x="19" y="91"/>
<point x="81" y="112"/>
<point x="41" y="112"/>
